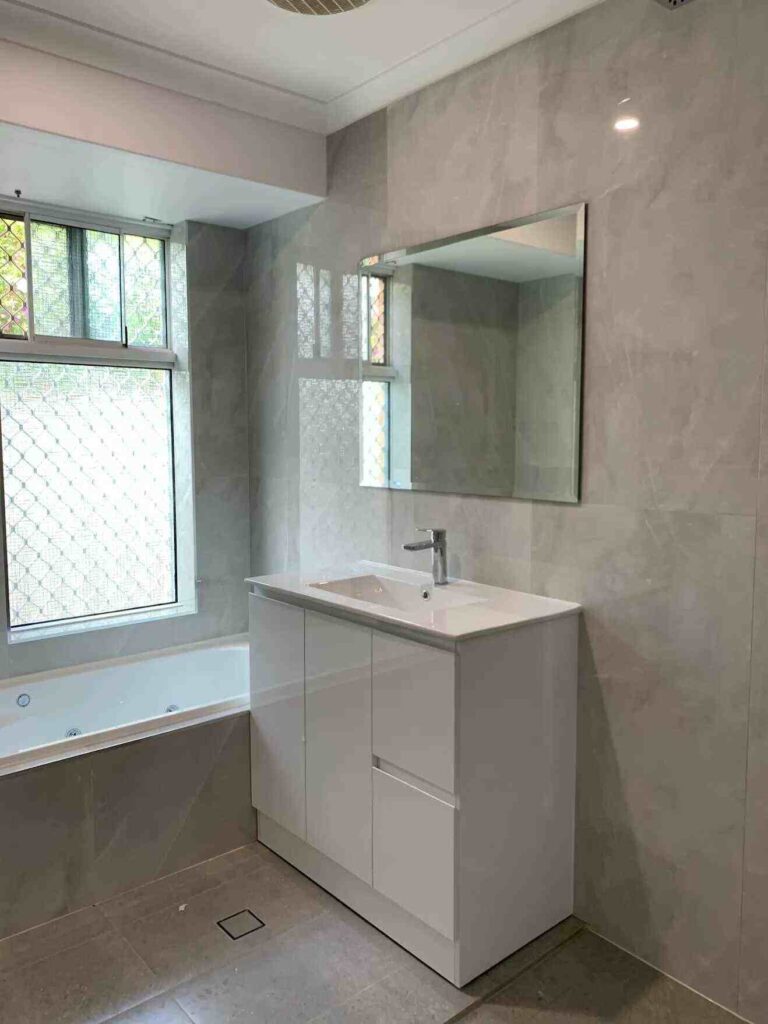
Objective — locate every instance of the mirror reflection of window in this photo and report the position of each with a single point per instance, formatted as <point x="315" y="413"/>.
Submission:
<point x="476" y="342"/>
<point x="375" y="415"/>
<point x="314" y="329"/>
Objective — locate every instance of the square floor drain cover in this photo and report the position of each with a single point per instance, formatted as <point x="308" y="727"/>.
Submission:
<point x="242" y="923"/>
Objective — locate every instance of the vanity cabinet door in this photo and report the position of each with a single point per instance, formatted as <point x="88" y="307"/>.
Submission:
<point x="277" y="712"/>
<point x="413" y="851"/>
<point x="413" y="708"/>
<point x="338" y="709"/>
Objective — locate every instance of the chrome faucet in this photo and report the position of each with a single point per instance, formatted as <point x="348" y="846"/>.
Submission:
<point x="438" y="543"/>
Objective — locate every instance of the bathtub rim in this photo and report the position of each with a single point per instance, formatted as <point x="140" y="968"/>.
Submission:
<point x="144" y="728"/>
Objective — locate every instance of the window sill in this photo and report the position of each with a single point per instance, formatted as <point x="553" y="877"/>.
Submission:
<point x="75" y="350"/>
<point x="72" y="627"/>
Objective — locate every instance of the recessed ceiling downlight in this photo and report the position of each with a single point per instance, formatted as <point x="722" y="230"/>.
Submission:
<point x="319" y="6"/>
<point x="627" y="124"/>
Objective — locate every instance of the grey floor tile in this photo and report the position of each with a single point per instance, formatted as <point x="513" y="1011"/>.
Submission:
<point x="589" y="981"/>
<point x="503" y="973"/>
<point x="54" y="937"/>
<point x="184" y="940"/>
<point x="163" y="1010"/>
<point x="233" y="865"/>
<point x="86" y="984"/>
<point x="294" y="978"/>
<point x="165" y="892"/>
<point x="401" y="998"/>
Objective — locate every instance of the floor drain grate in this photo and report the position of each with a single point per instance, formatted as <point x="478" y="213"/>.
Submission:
<point x="240" y="924"/>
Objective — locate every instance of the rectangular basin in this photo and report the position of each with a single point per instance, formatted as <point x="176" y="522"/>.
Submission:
<point x="392" y="593"/>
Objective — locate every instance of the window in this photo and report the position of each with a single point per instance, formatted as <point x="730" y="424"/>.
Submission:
<point x="14" y="320"/>
<point x="87" y="425"/>
<point x="98" y="284"/>
<point x="374" y="333"/>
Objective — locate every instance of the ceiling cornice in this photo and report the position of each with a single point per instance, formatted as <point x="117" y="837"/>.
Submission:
<point x="24" y="23"/>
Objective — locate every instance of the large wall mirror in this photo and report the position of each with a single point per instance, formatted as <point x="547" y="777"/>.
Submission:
<point x="470" y="362"/>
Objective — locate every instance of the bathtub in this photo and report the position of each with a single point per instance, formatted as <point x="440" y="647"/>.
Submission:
<point x="54" y="715"/>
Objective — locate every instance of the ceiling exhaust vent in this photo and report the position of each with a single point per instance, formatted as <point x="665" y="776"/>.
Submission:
<point x="323" y="6"/>
<point x="672" y="4"/>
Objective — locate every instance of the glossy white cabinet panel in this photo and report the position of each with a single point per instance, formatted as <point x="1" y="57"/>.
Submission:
<point x="338" y="741"/>
<point x="413" y="851"/>
<point x="517" y="742"/>
<point x="414" y="708"/>
<point x="277" y="712"/>
<point x="423" y="775"/>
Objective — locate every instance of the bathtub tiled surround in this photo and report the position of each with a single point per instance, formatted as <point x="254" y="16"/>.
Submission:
<point x="156" y="955"/>
<point x="662" y="551"/>
<point x="79" y="831"/>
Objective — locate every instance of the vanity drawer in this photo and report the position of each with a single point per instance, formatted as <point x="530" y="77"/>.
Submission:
<point x="413" y="851"/>
<point x="414" y="695"/>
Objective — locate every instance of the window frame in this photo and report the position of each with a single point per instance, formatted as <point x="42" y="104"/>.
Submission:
<point x="69" y="349"/>
<point x="90" y="351"/>
<point x="384" y="373"/>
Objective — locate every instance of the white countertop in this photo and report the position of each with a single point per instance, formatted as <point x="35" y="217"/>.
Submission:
<point x="457" y="611"/>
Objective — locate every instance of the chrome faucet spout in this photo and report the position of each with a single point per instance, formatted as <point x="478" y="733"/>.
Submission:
<point x="419" y="545"/>
<point x="438" y="543"/>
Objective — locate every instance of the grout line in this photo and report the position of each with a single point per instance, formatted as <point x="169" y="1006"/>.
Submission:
<point x="534" y="963"/>
<point x="749" y="709"/>
<point x="15" y="966"/>
<point x="664" y="974"/>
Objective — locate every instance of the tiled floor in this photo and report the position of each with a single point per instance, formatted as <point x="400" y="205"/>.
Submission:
<point x="157" y="956"/>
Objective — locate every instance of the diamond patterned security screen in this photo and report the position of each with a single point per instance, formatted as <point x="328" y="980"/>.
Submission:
<point x="77" y="275"/>
<point x="13" y="279"/>
<point x="88" y="480"/>
<point x="374" y="454"/>
<point x="313" y="312"/>
<point x="374" y="323"/>
<point x="144" y="290"/>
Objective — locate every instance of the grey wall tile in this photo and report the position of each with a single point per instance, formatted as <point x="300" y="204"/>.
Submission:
<point x="91" y="827"/>
<point x="675" y="313"/>
<point x="662" y="726"/>
<point x="46" y="814"/>
<point x="753" y="994"/>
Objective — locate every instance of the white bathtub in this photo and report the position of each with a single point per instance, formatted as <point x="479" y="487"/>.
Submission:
<point x="112" y="702"/>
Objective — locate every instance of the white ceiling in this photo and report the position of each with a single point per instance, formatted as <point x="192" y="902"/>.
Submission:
<point x="502" y="260"/>
<point x="79" y="175"/>
<point x="315" y="72"/>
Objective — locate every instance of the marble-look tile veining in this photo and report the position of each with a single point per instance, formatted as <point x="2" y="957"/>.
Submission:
<point x="661" y="553"/>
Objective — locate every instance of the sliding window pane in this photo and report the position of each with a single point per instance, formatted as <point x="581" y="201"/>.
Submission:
<point x="51" y="278"/>
<point x="14" y="321"/>
<point x="144" y="265"/>
<point x="88" y="487"/>
<point x="76" y="277"/>
<point x="102" y="285"/>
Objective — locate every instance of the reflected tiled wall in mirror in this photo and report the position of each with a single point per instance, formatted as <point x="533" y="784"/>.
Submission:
<point x="471" y="362"/>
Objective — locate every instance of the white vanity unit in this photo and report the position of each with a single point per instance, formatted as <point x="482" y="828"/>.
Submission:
<point x="413" y="751"/>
